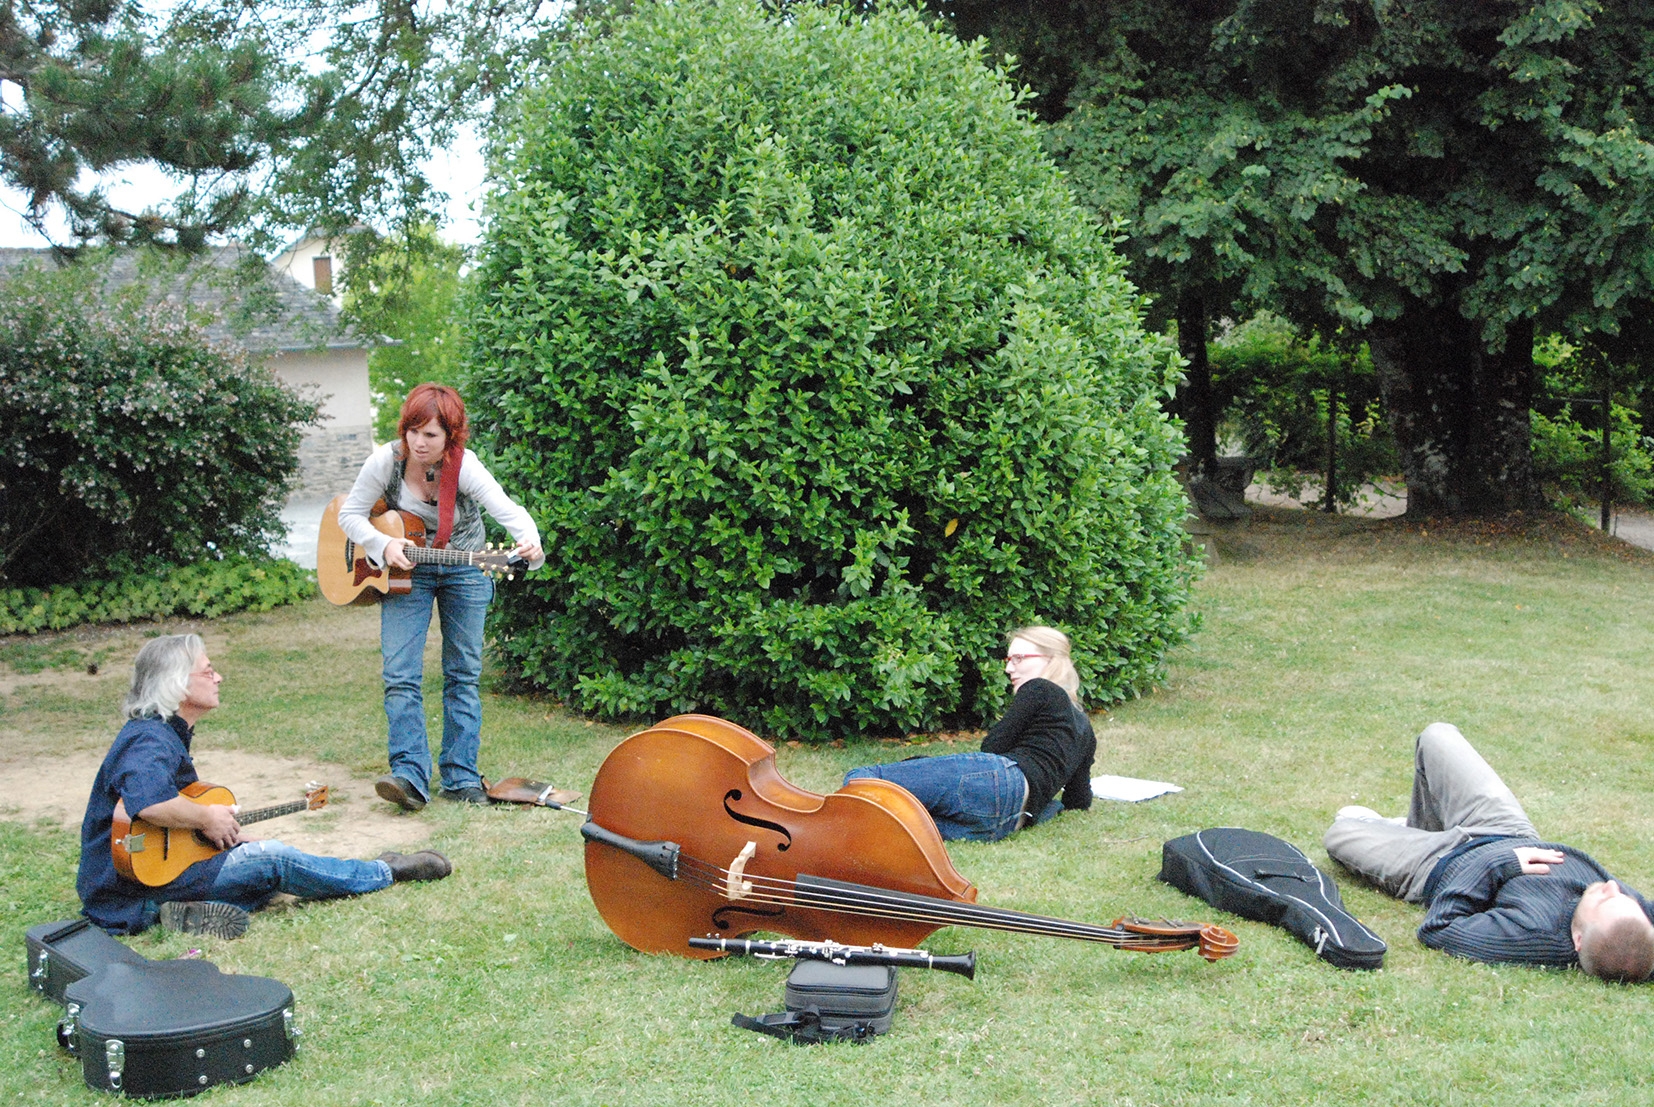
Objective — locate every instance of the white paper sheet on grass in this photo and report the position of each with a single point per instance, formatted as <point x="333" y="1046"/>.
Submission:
<point x="1128" y="789"/>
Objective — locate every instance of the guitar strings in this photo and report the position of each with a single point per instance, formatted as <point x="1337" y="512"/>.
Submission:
<point x="447" y="555"/>
<point x="879" y="903"/>
<point x="259" y="814"/>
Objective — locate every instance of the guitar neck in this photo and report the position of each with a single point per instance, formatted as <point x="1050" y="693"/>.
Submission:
<point x="259" y="814"/>
<point x="426" y="555"/>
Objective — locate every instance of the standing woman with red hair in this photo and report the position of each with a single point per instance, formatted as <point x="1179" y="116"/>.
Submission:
<point x="429" y="472"/>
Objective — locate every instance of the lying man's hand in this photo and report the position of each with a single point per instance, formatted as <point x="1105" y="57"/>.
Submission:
<point x="1536" y="861"/>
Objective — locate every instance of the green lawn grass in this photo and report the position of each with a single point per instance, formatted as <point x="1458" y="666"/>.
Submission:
<point x="1327" y="645"/>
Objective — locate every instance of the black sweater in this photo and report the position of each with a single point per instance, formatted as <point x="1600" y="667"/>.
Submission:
<point x="1051" y="741"/>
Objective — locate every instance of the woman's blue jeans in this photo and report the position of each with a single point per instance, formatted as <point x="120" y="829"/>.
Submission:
<point x="461" y="594"/>
<point x="969" y="795"/>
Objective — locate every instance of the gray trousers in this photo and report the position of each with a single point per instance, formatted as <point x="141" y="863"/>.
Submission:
<point x="1456" y="797"/>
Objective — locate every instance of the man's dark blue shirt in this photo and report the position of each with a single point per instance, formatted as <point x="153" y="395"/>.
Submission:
<point x="148" y="763"/>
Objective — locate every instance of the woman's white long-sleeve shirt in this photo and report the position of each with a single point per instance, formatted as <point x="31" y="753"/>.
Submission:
<point x="475" y="483"/>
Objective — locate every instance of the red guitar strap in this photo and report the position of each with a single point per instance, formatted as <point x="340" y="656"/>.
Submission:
<point x="447" y="491"/>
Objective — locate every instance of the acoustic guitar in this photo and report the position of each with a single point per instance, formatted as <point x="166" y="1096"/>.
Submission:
<point x="346" y="576"/>
<point x="156" y="855"/>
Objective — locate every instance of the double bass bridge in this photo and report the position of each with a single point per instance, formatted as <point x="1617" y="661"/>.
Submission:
<point x="736" y="886"/>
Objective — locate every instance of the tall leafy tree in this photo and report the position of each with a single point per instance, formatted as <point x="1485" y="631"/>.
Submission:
<point x="270" y="116"/>
<point x="404" y="291"/>
<point x="1450" y="177"/>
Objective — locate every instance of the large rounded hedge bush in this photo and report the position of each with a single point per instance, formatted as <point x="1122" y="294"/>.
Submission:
<point x="817" y="380"/>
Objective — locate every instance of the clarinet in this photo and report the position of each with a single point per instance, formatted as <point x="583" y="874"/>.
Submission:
<point x="963" y="964"/>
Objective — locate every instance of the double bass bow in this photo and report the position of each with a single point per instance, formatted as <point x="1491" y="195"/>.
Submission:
<point x="692" y="832"/>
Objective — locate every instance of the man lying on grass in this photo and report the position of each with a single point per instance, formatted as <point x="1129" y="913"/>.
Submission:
<point x="146" y="769"/>
<point x="1493" y="890"/>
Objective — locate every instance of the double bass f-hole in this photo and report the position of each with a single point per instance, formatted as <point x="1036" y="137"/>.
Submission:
<point x="733" y="795"/>
<point x="723" y="917"/>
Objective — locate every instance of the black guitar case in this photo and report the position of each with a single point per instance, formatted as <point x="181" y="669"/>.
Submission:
<point x="174" y="1028"/>
<point x="62" y="952"/>
<point x="1257" y="876"/>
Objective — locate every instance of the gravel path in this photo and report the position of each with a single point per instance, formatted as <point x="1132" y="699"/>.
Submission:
<point x="1635" y="527"/>
<point x="1630" y="525"/>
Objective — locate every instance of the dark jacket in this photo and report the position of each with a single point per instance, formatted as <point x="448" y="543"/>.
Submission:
<point x="1483" y="907"/>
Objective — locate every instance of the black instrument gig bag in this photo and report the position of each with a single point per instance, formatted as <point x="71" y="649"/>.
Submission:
<point x="828" y="1002"/>
<point x="62" y="952"/>
<point x="1258" y="876"/>
<point x="174" y="1028"/>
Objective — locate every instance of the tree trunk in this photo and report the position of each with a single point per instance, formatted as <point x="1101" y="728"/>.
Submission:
<point x="1460" y="414"/>
<point x="1195" y="397"/>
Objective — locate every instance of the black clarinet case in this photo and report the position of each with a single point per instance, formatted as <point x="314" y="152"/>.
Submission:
<point x="62" y="952"/>
<point x="845" y="996"/>
<point x="175" y="1028"/>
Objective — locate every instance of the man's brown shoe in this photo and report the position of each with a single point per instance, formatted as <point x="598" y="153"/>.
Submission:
<point x="427" y="864"/>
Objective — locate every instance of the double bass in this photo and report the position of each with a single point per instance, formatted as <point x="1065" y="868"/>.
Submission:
<point x="692" y="832"/>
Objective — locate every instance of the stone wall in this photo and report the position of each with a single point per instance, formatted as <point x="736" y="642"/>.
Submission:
<point x="329" y="460"/>
<point x="332" y="454"/>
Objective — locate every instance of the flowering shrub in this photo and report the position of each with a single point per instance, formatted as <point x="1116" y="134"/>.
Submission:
<point x="817" y="379"/>
<point x="125" y="433"/>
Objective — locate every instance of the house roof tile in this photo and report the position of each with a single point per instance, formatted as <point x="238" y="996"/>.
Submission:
<point x="269" y="313"/>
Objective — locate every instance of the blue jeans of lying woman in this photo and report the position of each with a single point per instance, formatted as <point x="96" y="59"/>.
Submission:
<point x="978" y="796"/>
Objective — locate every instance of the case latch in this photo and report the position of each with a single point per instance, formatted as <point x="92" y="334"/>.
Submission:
<point x="290" y="1027"/>
<point x="67" y="1029"/>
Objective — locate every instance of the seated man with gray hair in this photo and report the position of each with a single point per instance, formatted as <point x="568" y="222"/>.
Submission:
<point x="1492" y="889"/>
<point x="146" y="769"/>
